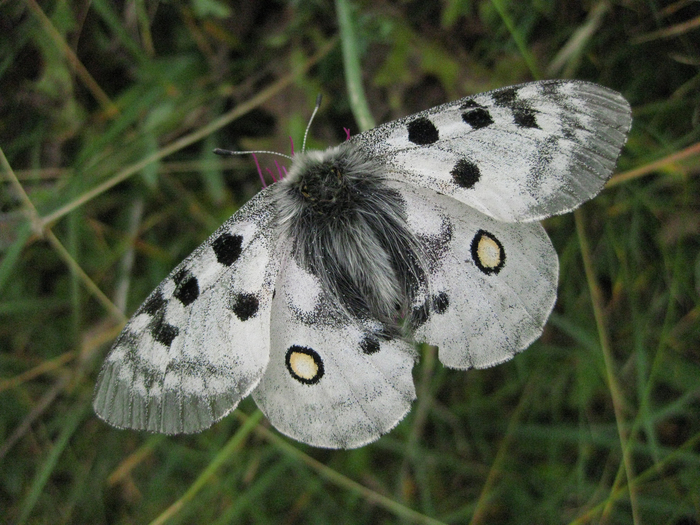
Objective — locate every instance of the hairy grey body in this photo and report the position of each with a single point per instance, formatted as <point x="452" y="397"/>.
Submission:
<point x="349" y="230"/>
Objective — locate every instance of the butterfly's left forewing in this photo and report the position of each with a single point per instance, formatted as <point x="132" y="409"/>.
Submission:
<point x="200" y="342"/>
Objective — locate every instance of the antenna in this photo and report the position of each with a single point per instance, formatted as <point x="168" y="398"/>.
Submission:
<point x="229" y="153"/>
<point x="308" y="126"/>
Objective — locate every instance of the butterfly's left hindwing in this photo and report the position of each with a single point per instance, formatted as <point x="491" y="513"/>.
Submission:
<point x="200" y="342"/>
<point x="330" y="382"/>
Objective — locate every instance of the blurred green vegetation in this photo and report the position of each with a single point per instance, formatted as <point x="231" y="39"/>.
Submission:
<point x="109" y="112"/>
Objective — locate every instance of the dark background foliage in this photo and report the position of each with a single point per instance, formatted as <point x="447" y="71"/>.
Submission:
<point x="109" y="112"/>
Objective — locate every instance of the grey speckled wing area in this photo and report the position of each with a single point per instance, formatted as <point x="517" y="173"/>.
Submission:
<point x="520" y="153"/>
<point x="330" y="382"/>
<point x="200" y="342"/>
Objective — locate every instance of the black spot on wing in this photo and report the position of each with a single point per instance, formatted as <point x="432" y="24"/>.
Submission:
<point x="440" y="303"/>
<point x="159" y="329"/>
<point x="154" y="304"/>
<point x="525" y="118"/>
<point x="245" y="305"/>
<point x="523" y="114"/>
<point x="465" y="173"/>
<point x="163" y="332"/>
<point x="505" y="97"/>
<point x="422" y="132"/>
<point x="419" y="315"/>
<point x="369" y="345"/>
<point x="477" y="118"/>
<point x="227" y="248"/>
<point x="186" y="287"/>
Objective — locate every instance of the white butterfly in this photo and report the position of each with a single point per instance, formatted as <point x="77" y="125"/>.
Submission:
<point x="313" y="295"/>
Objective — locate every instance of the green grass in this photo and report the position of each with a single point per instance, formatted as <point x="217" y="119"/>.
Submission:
<point x="108" y="116"/>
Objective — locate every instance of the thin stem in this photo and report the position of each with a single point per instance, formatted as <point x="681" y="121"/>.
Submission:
<point x="351" y="63"/>
<point x="226" y="453"/>
<point x="606" y="347"/>
<point x="185" y="141"/>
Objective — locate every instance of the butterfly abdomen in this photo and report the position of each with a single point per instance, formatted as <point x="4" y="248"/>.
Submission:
<point x="349" y="230"/>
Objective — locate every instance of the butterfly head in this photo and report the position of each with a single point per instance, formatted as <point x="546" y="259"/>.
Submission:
<point x="331" y="183"/>
<point x="323" y="186"/>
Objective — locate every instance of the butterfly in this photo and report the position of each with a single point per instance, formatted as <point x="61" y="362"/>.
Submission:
<point x="313" y="296"/>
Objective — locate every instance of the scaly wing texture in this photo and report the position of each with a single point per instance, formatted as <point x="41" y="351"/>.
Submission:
<point x="200" y="342"/>
<point x="330" y="382"/>
<point x="520" y="153"/>
<point x="491" y="284"/>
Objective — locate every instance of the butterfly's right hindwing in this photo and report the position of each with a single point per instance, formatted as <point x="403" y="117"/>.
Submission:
<point x="200" y="342"/>
<point x="491" y="284"/>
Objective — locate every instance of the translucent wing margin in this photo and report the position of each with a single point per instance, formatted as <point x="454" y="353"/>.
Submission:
<point x="200" y="342"/>
<point x="520" y="153"/>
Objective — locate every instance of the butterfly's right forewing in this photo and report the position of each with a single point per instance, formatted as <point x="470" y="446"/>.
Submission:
<point x="520" y="153"/>
<point x="200" y="342"/>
